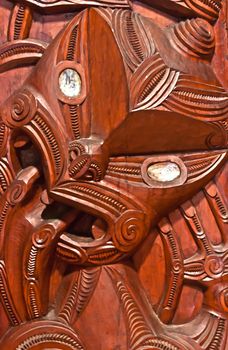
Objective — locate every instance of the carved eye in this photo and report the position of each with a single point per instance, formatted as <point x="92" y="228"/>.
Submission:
<point x="70" y="83"/>
<point x="163" y="171"/>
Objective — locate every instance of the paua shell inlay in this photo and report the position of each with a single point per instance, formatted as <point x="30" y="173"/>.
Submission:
<point x="164" y="171"/>
<point x="70" y="83"/>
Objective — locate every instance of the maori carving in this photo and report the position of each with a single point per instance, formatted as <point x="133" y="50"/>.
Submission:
<point x="48" y="6"/>
<point x="45" y="334"/>
<point x="80" y="294"/>
<point x="208" y="10"/>
<point x="19" y="52"/>
<point x="194" y="37"/>
<point x="21" y="21"/>
<point x="113" y="176"/>
<point x="6" y="298"/>
<point x="213" y="103"/>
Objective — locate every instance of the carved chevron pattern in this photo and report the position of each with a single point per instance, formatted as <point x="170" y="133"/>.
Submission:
<point x="135" y="40"/>
<point x="72" y="44"/>
<point x="19" y="22"/>
<point x="219" y="335"/>
<point x="208" y="9"/>
<point x="80" y="293"/>
<point x="6" y="175"/>
<point x="139" y="332"/>
<point x="51" y="140"/>
<point x="140" y="335"/>
<point x="201" y="100"/>
<point x="43" y="338"/>
<point x="6" y="297"/>
<point x="86" y="285"/>
<point x="16" y="53"/>
<point x="152" y="83"/>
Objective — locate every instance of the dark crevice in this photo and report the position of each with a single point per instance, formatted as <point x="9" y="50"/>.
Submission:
<point x="26" y="153"/>
<point x="82" y="226"/>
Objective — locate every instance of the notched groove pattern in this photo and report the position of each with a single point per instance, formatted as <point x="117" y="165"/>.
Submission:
<point x="72" y="44"/>
<point x="19" y="22"/>
<point x="43" y="338"/>
<point x="48" y="134"/>
<point x="4" y="295"/>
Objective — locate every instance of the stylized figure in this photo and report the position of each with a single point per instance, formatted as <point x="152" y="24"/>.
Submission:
<point x="119" y="123"/>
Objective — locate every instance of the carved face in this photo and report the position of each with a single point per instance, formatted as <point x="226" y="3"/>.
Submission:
<point x="112" y="130"/>
<point x="98" y="142"/>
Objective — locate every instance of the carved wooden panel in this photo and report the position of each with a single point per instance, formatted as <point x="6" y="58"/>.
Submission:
<point x="113" y="175"/>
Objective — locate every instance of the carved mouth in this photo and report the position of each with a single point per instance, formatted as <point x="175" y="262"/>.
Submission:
<point x="81" y="231"/>
<point x="84" y="238"/>
<point x="80" y="226"/>
<point x="70" y="251"/>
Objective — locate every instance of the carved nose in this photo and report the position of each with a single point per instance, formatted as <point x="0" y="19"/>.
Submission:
<point x="88" y="159"/>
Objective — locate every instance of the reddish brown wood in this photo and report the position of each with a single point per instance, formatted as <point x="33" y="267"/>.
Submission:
<point x="97" y="251"/>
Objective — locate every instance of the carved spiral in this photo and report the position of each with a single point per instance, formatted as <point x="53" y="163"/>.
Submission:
<point x="129" y="231"/>
<point x="177" y="266"/>
<point x="217" y="140"/>
<point x="77" y="147"/>
<point x="214" y="266"/>
<point x="16" y="193"/>
<point x="95" y="171"/>
<point x="223" y="297"/>
<point x="23" y="108"/>
<point x="79" y="166"/>
<point x="194" y="37"/>
<point x="20" y="108"/>
<point x="83" y="167"/>
<point x="42" y="237"/>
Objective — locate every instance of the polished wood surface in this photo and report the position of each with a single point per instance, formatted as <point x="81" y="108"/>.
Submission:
<point x="113" y="175"/>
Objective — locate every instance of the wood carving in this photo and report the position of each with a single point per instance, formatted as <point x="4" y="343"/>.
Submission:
<point x="113" y="175"/>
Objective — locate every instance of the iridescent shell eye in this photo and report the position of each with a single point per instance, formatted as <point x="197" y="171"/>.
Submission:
<point x="70" y="83"/>
<point x="163" y="171"/>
